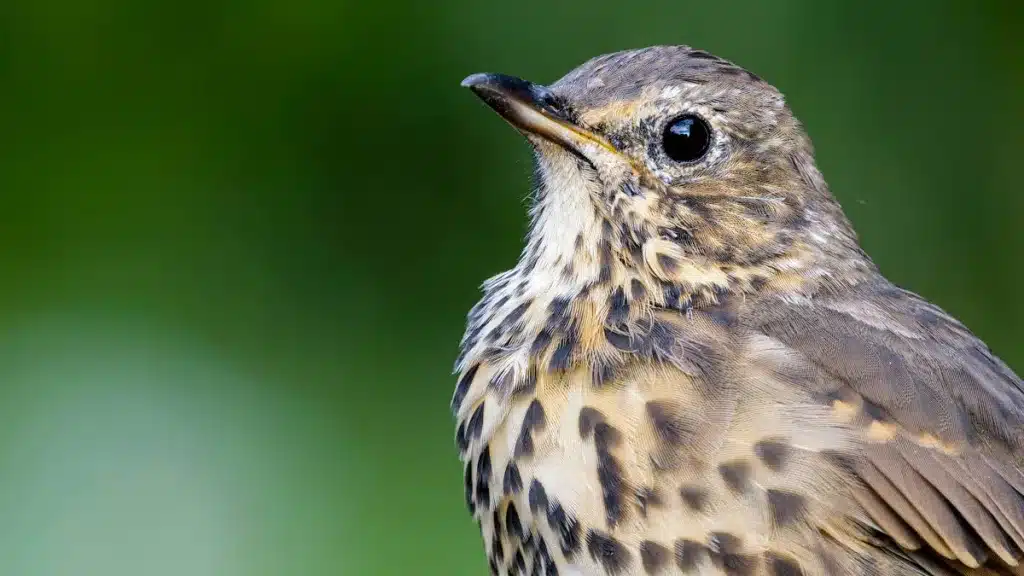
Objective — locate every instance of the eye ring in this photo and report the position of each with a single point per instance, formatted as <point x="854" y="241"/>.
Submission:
<point x="686" y="138"/>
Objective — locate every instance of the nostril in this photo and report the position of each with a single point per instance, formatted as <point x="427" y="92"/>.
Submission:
<point x="547" y="98"/>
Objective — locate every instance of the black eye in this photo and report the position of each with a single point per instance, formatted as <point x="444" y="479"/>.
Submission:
<point x="686" y="139"/>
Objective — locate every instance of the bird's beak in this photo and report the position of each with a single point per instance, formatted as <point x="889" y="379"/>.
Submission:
<point x="533" y="110"/>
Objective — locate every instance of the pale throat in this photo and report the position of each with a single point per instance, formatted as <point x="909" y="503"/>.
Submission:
<point x="561" y="251"/>
<point x="559" y="263"/>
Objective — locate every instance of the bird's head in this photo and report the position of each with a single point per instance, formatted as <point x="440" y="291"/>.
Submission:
<point x="668" y="179"/>
<point x="670" y="166"/>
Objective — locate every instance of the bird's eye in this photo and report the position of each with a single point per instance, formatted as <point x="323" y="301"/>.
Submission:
<point x="686" y="138"/>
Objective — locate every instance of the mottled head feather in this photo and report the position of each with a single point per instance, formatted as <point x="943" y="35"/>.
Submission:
<point x="630" y="230"/>
<point x="623" y="76"/>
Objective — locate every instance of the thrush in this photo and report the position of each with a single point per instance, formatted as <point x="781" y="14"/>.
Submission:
<point x="694" y="368"/>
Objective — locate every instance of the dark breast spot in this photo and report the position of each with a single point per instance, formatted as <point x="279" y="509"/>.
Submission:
<point x="534" y="417"/>
<point x="518" y="563"/>
<point x="512" y="481"/>
<point x="567" y="529"/>
<point x="562" y="356"/>
<point x="537" y="496"/>
<point x="483" y="477"/>
<point x="618" y="307"/>
<point x="512" y="318"/>
<point x="468" y="482"/>
<point x="533" y="420"/>
<point x="636" y="289"/>
<point x="605" y="255"/>
<point x="635" y="249"/>
<point x="589" y="417"/>
<point x="492" y="353"/>
<point x="786" y="507"/>
<point x="558" y="315"/>
<point x="542" y="550"/>
<point x="737" y="564"/>
<point x="689" y="554"/>
<point x="724" y="543"/>
<point x="461" y="442"/>
<point x="463" y="387"/>
<point x="513" y="525"/>
<point x="609" y="476"/>
<point x="524" y="445"/>
<point x="668" y="264"/>
<point x="735" y="474"/>
<point x="694" y="497"/>
<point x="781" y="566"/>
<point x="476" y="422"/>
<point x="772" y="452"/>
<point x="497" y="549"/>
<point x="669" y="423"/>
<point x="608" y="552"/>
<point x="496" y="522"/>
<point x="606" y="436"/>
<point x="540" y="342"/>
<point x="725" y="552"/>
<point x="653" y="556"/>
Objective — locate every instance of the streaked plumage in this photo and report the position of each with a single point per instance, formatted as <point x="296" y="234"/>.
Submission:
<point x="695" y="369"/>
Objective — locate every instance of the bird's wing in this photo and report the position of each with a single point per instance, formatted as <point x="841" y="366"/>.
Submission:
<point x="938" y="419"/>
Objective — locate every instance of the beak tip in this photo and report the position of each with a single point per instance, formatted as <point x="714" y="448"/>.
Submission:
<point x="474" y="80"/>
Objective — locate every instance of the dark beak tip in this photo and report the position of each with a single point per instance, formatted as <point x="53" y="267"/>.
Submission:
<point x="474" y="80"/>
<point x="509" y="86"/>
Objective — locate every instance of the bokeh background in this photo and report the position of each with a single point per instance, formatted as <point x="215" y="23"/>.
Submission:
<point x="238" y="241"/>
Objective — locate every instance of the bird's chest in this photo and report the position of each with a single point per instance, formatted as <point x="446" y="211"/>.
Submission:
<point x="575" y="477"/>
<point x="666" y="459"/>
<point x="519" y="453"/>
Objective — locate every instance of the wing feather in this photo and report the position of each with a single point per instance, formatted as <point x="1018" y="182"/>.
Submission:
<point x="942" y="418"/>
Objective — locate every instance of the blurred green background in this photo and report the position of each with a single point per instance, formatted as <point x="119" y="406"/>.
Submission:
<point x="238" y="241"/>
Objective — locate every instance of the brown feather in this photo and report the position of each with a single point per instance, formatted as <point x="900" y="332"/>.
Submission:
<point x="694" y="368"/>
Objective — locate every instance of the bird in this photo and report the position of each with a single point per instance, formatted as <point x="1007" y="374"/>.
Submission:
<point x="694" y="367"/>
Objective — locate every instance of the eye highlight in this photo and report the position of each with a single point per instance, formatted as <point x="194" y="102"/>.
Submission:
<point x="686" y="138"/>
